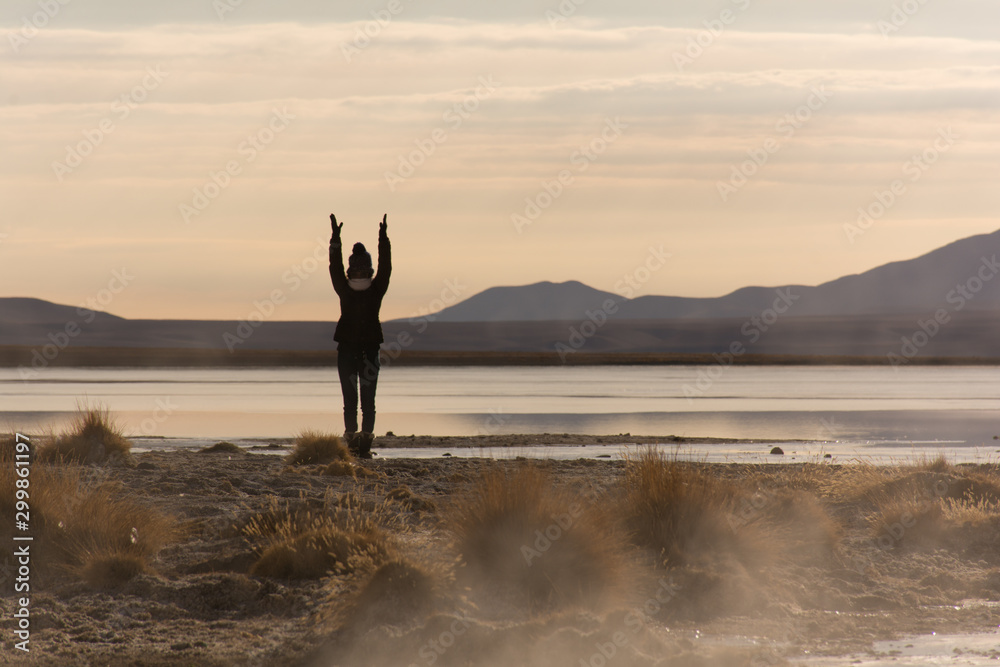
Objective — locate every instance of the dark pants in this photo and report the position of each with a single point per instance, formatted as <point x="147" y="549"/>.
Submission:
<point x="358" y="365"/>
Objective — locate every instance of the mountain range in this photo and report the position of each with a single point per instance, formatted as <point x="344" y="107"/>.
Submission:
<point x="920" y="285"/>
<point x="871" y="313"/>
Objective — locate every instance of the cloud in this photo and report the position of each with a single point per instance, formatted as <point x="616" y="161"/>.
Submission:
<point x="960" y="18"/>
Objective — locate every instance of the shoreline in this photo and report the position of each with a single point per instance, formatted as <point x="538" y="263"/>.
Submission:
<point x="500" y="440"/>
<point x="30" y="358"/>
<point x="622" y="447"/>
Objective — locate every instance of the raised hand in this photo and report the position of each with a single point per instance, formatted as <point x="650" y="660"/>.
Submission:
<point x="335" y="227"/>
<point x="383" y="226"/>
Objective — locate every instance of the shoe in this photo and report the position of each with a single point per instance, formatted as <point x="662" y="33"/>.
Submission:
<point x="365" y="445"/>
<point x="353" y="441"/>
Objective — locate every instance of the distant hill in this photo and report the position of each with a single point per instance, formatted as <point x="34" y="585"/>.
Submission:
<point x="921" y="285"/>
<point x="23" y="310"/>
<point x="545" y="301"/>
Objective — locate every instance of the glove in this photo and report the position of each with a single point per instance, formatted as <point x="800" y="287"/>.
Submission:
<point x="335" y="227"/>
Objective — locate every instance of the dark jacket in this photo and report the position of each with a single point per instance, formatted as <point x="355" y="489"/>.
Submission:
<point x="359" y="321"/>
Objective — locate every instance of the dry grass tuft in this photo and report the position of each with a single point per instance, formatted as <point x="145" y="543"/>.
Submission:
<point x="925" y="480"/>
<point x="322" y="550"/>
<point x="366" y="473"/>
<point x="974" y="487"/>
<point x="974" y="525"/>
<point x="927" y="484"/>
<point x="94" y="437"/>
<point x="849" y="484"/>
<point x="88" y="528"/>
<point x="312" y="447"/>
<point x="103" y="571"/>
<point x="340" y="469"/>
<point x="308" y="543"/>
<point x="349" y="469"/>
<point x="931" y="506"/>
<point x="908" y="522"/>
<point x="682" y="513"/>
<point x="404" y="496"/>
<point x="974" y="513"/>
<point x="277" y="513"/>
<point x="798" y="523"/>
<point x="931" y="503"/>
<point x="939" y="464"/>
<point x="513" y="529"/>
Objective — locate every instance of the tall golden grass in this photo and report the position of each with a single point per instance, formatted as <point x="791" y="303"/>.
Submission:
<point x="932" y="503"/>
<point x="684" y="514"/>
<point x="676" y="510"/>
<point x="297" y="541"/>
<point x="90" y="529"/>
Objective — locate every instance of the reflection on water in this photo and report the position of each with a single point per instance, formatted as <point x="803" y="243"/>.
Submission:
<point x="856" y="404"/>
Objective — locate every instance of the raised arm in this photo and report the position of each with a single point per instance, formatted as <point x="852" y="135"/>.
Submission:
<point x="337" y="274"/>
<point x="384" y="256"/>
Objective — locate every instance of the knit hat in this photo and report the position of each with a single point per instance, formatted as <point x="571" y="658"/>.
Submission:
<point x="360" y="259"/>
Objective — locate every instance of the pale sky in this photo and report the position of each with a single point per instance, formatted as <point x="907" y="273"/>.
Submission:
<point x="114" y="112"/>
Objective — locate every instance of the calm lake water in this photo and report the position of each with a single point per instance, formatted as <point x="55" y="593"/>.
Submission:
<point x="923" y="408"/>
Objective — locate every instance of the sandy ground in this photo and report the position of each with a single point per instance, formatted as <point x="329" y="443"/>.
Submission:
<point x="201" y="605"/>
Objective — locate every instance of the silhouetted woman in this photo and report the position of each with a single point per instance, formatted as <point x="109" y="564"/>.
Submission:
<point x="359" y="331"/>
